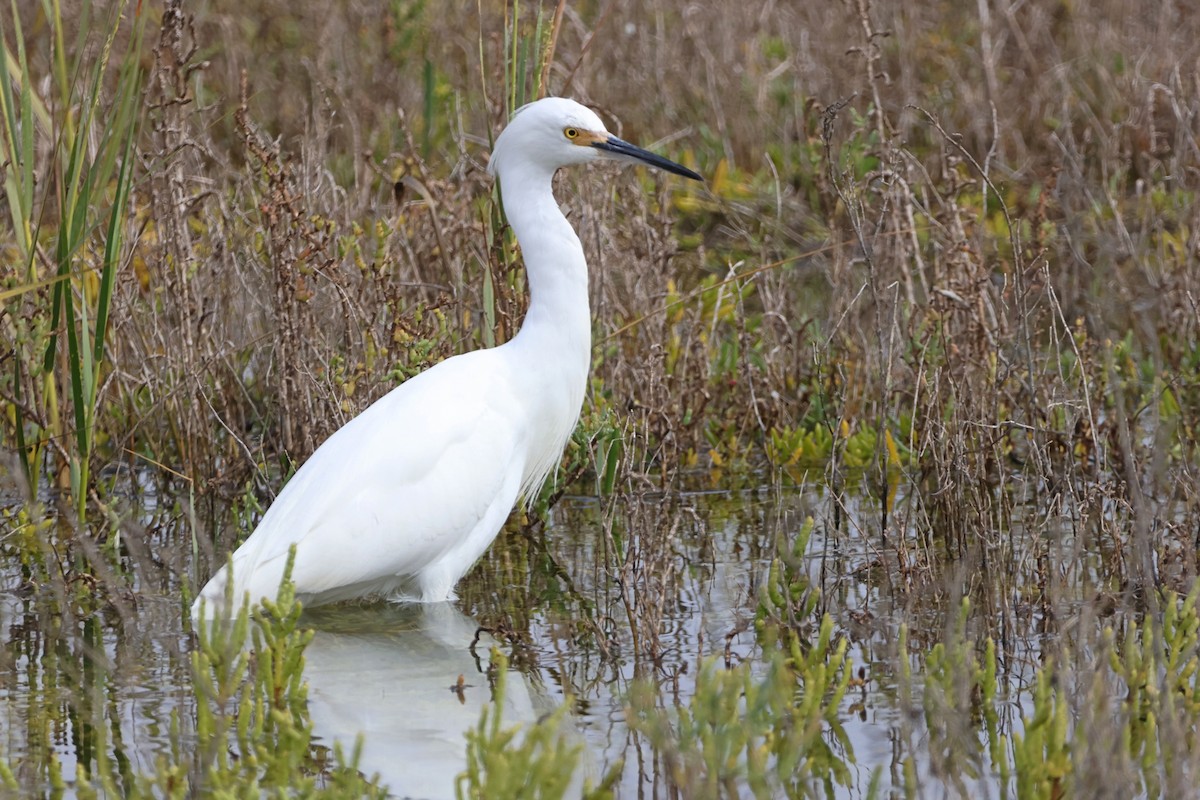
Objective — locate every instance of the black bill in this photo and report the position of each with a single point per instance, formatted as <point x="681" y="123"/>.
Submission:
<point x="623" y="149"/>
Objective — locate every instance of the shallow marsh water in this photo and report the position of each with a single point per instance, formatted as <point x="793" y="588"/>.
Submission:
<point x="606" y="592"/>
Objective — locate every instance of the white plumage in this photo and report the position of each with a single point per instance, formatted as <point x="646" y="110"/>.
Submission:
<point x="408" y="495"/>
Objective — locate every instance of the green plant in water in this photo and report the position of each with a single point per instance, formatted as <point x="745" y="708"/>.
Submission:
<point x="771" y="734"/>
<point x="597" y="446"/>
<point x="514" y="763"/>
<point x="795" y="450"/>
<point x="1148" y="737"/>
<point x="1042" y="754"/>
<point x="90" y="137"/>
<point x="787" y="599"/>
<point x="1161" y="674"/>
<point x="778" y="735"/>
<point x="252" y="701"/>
<point x="960" y="687"/>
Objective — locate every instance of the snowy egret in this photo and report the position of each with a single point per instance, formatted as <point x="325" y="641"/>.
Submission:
<point x="408" y="495"/>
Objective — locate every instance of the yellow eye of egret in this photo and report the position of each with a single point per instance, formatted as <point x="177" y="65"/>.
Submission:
<point x="571" y="133"/>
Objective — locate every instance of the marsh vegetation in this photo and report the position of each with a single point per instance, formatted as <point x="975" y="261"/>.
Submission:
<point x="886" y="480"/>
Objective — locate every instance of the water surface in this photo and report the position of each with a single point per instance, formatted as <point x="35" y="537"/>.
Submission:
<point x="604" y="593"/>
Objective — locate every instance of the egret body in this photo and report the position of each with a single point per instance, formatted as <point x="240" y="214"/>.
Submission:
<point x="408" y="495"/>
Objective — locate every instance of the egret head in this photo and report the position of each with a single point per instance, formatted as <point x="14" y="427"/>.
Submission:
<point x="556" y="132"/>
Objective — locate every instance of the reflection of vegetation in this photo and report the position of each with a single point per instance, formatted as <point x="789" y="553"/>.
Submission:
<point x="248" y="694"/>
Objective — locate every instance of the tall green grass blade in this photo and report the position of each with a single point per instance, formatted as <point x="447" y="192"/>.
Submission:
<point x="489" y="309"/>
<point x="483" y="82"/>
<point x="16" y="68"/>
<point x="19" y="185"/>
<point x="536" y="45"/>
<point x="527" y="56"/>
<point x="54" y="13"/>
<point x="519" y="73"/>
<point x="510" y="58"/>
<point x="547" y="46"/>
<point x="60" y="305"/>
<point x="91" y="139"/>
<point x="112" y="247"/>
<point x="28" y="467"/>
<point x="27" y="152"/>
<point x="18" y="182"/>
<point x="427" y="134"/>
<point x="82" y="439"/>
<point x="114" y="239"/>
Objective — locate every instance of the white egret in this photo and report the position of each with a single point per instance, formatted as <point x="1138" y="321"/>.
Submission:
<point x="408" y="495"/>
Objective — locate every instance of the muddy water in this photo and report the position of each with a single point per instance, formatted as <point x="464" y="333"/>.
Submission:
<point x="606" y="592"/>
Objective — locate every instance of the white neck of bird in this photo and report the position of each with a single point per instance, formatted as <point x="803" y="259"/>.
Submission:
<point x="553" y="350"/>
<point x="558" y="325"/>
